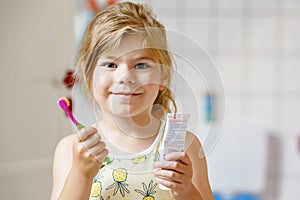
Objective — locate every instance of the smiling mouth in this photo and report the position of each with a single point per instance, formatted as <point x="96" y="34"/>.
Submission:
<point x="126" y="94"/>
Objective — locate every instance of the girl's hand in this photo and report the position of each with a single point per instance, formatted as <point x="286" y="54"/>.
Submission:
<point x="176" y="173"/>
<point x="88" y="152"/>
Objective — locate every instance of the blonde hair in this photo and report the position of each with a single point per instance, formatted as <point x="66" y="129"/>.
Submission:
<point x="105" y="32"/>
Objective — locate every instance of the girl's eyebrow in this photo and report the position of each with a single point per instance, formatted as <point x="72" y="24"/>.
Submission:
<point x="133" y="58"/>
<point x="144" y="58"/>
<point x="109" y="57"/>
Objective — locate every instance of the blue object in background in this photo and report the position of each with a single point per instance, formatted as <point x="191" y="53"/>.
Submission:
<point x="219" y="196"/>
<point x="208" y="107"/>
<point x="246" y="197"/>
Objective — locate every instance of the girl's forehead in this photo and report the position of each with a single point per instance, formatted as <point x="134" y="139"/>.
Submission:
<point x="131" y="45"/>
<point x="133" y="54"/>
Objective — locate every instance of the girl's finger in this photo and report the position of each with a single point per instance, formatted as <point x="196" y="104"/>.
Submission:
<point x="96" y="149"/>
<point x="169" y="175"/>
<point x="85" y="133"/>
<point x="91" y="140"/>
<point x="167" y="183"/>
<point x="172" y="165"/>
<point x="102" y="155"/>
<point x="176" y="188"/>
<point x="178" y="156"/>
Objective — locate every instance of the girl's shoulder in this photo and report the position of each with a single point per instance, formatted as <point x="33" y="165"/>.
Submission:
<point x="66" y="142"/>
<point x="62" y="163"/>
<point x="193" y="145"/>
<point x="64" y="150"/>
<point x="191" y="138"/>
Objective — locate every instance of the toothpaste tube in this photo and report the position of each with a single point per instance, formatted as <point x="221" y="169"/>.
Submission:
<point x="174" y="135"/>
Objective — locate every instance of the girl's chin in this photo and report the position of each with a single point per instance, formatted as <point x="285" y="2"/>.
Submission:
<point x="128" y="111"/>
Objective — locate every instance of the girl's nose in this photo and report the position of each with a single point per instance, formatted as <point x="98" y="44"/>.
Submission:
<point x="125" y="74"/>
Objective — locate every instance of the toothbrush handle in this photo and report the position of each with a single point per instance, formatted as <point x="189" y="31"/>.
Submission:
<point x="80" y="126"/>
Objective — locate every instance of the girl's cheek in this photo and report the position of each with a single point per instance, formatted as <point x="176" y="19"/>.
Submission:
<point x="146" y="78"/>
<point x="98" y="71"/>
<point x="98" y="77"/>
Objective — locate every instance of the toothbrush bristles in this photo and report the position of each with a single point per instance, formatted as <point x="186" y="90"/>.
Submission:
<point x="66" y="100"/>
<point x="64" y="103"/>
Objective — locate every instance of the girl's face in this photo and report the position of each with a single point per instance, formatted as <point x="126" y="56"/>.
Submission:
<point x="126" y="81"/>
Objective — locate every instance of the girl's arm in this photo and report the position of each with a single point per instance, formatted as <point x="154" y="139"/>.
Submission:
<point x="76" y="162"/>
<point x="62" y="163"/>
<point x="200" y="171"/>
<point x="186" y="173"/>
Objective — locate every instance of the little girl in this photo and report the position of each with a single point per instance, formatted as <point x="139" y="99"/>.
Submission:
<point x="125" y="66"/>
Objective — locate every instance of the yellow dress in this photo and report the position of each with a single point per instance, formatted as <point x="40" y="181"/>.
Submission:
<point x="130" y="176"/>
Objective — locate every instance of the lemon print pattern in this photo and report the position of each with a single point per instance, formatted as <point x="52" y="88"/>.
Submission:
<point x="139" y="160"/>
<point x="148" y="191"/>
<point x="108" y="198"/>
<point x="96" y="189"/>
<point x="119" y="176"/>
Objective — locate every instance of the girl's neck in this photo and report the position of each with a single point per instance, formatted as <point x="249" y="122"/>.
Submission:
<point x="141" y="127"/>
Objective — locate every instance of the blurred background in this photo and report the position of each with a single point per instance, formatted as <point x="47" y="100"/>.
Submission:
<point x="255" y="47"/>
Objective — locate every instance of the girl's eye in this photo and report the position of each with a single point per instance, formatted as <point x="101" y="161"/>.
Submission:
<point x="110" y="65"/>
<point x="141" y="66"/>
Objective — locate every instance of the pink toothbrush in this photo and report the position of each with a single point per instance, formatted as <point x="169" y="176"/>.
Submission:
<point x="64" y="103"/>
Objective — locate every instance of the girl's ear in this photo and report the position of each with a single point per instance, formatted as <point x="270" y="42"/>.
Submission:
<point x="164" y="78"/>
<point x="161" y="87"/>
<point x="163" y="84"/>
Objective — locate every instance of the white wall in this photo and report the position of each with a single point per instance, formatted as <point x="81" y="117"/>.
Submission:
<point x="36" y="47"/>
<point x="255" y="46"/>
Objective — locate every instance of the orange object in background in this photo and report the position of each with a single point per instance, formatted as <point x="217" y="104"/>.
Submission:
<point x="93" y="5"/>
<point x="111" y="2"/>
<point x="96" y="5"/>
